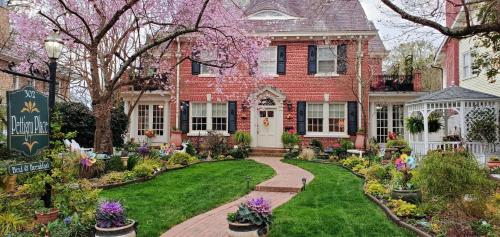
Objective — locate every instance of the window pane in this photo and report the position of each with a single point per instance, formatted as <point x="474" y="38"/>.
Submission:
<point x="315" y="111"/>
<point x="262" y="114"/>
<point x="315" y="118"/>
<point x="158" y="120"/>
<point x="327" y="53"/>
<point x="327" y="59"/>
<point x="326" y="66"/>
<point x="336" y="120"/>
<point x="198" y="117"/>
<point x="219" y="117"/>
<point x="207" y="57"/>
<point x="270" y="114"/>
<point x="398" y="119"/>
<point x="268" y="60"/>
<point x="382" y="123"/>
<point x="142" y="119"/>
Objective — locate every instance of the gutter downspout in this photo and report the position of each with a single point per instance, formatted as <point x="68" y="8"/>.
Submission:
<point x="358" y="77"/>
<point x="177" y="82"/>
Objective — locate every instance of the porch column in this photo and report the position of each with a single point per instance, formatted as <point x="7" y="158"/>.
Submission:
<point x="426" y="129"/>
<point x="462" y="120"/>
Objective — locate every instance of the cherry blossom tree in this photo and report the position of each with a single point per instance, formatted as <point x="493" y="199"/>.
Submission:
<point x="110" y="43"/>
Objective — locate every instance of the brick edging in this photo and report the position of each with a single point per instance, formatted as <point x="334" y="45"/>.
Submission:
<point x="386" y="209"/>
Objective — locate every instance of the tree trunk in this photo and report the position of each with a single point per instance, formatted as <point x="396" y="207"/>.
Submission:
<point x="103" y="137"/>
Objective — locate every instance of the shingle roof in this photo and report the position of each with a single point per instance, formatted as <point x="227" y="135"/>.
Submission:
<point x="455" y="93"/>
<point x="375" y="45"/>
<point x="312" y="16"/>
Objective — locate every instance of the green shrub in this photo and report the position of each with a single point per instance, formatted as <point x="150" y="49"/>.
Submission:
<point x="154" y="154"/>
<point x="402" y="208"/>
<point x="307" y="154"/>
<point x="375" y="188"/>
<point x="128" y="175"/>
<point x="352" y="161"/>
<point x="289" y="140"/>
<point x="376" y="172"/>
<point x="115" y="164"/>
<point x="240" y="152"/>
<point x="360" y="168"/>
<point x="215" y="143"/>
<point x="341" y="151"/>
<point x="113" y="177"/>
<point x="190" y="148"/>
<point x="316" y="145"/>
<point x="182" y="158"/>
<point x="242" y="138"/>
<point x="147" y="168"/>
<point x="132" y="162"/>
<point x="449" y="176"/>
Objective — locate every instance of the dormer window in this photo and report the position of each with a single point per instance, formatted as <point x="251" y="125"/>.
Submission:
<point x="271" y="15"/>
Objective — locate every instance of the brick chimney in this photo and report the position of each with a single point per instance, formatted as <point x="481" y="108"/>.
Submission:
<point x="4" y="25"/>
<point x="452" y="9"/>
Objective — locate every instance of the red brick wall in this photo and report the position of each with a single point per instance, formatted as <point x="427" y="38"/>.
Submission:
<point x="296" y="84"/>
<point x="452" y="62"/>
<point x="452" y="11"/>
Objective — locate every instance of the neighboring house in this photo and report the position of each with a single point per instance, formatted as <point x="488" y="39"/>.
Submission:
<point x="455" y="57"/>
<point x="311" y="87"/>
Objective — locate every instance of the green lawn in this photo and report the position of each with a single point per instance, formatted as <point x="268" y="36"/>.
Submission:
<point x="178" y="195"/>
<point x="333" y="204"/>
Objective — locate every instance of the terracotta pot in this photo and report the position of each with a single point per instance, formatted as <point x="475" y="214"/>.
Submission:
<point x="246" y="230"/>
<point x="493" y="164"/>
<point x="388" y="153"/>
<point x="125" y="161"/>
<point x="176" y="138"/>
<point x="411" y="196"/>
<point x="9" y="183"/>
<point x="124" y="231"/>
<point x="360" y="141"/>
<point x="46" y="218"/>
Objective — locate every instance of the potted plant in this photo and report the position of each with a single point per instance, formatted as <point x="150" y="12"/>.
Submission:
<point x="495" y="173"/>
<point x="360" y="139"/>
<point x="111" y="221"/>
<point x="46" y="215"/>
<point x="402" y="188"/>
<point x="494" y="162"/>
<point x="252" y="219"/>
<point x="176" y="137"/>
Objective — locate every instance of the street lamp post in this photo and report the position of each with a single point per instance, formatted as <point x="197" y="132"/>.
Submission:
<point x="53" y="48"/>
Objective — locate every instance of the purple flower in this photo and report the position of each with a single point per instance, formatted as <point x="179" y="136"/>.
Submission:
<point x="67" y="220"/>
<point x="143" y="150"/>
<point x="111" y="207"/>
<point x="259" y="205"/>
<point x="110" y="214"/>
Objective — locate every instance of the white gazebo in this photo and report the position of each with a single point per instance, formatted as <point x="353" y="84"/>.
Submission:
<point x="456" y="108"/>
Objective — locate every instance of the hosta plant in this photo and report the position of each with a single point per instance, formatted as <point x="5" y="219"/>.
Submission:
<point x="110" y="214"/>
<point x="254" y="211"/>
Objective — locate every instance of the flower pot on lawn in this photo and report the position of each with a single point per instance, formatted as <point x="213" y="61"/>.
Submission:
<point x="125" y="161"/>
<point x="360" y="141"/>
<point x="493" y="164"/>
<point x="176" y="138"/>
<point x="411" y="196"/>
<point x="246" y="230"/>
<point x="123" y="231"/>
<point x="47" y="217"/>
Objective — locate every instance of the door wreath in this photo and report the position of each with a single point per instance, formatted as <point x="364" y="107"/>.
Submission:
<point x="266" y="122"/>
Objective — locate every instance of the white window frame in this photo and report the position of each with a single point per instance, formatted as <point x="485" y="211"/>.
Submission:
<point x="209" y="120"/>
<point x="466" y="65"/>
<point x="205" y="70"/>
<point x="273" y="60"/>
<point x="3" y="3"/>
<point x="332" y="48"/>
<point x="345" y="117"/>
<point x="151" y="119"/>
<point x="326" y="122"/>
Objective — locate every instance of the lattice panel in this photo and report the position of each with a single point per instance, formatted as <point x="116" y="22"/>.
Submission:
<point x="482" y="120"/>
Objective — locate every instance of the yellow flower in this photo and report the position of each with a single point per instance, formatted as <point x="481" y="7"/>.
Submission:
<point x="404" y="157"/>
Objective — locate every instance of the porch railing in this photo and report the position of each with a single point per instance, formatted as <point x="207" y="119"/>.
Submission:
<point x="392" y="83"/>
<point x="479" y="150"/>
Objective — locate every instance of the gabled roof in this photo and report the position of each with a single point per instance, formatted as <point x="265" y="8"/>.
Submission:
<point x="310" y="16"/>
<point x="376" y="45"/>
<point x="455" y="93"/>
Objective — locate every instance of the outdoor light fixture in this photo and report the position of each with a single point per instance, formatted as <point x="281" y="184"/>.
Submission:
<point x="248" y="178"/>
<point x="54" y="45"/>
<point x="304" y="181"/>
<point x="289" y="105"/>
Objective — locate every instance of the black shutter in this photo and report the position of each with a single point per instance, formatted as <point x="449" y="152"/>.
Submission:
<point x="311" y="59"/>
<point x="342" y="59"/>
<point x="281" y="60"/>
<point x="301" y="117"/>
<point x="232" y="108"/>
<point x="195" y="68"/>
<point x="352" y="117"/>
<point x="184" y="117"/>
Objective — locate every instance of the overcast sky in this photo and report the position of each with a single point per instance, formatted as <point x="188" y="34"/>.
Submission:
<point x="391" y="27"/>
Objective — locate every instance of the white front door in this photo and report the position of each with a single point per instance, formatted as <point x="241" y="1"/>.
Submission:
<point x="268" y="134"/>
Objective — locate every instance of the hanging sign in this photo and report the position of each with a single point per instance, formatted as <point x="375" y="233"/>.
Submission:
<point x="29" y="167"/>
<point x="28" y="121"/>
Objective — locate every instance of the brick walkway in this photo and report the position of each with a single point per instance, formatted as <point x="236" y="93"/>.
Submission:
<point x="277" y="190"/>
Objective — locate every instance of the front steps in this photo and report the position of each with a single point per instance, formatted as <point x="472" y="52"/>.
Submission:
<point x="267" y="152"/>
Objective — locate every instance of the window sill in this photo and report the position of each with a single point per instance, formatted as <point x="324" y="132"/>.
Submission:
<point x="331" y="135"/>
<point x="270" y="75"/>
<point x="206" y="75"/>
<point x="326" y="75"/>
<point x="205" y="133"/>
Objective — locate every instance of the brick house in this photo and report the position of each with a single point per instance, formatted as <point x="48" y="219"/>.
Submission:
<point x="316" y="55"/>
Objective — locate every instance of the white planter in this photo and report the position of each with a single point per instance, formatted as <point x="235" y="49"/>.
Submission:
<point x="245" y="230"/>
<point x="124" y="231"/>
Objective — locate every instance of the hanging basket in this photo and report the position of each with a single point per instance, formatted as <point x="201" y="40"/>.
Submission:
<point x="416" y="125"/>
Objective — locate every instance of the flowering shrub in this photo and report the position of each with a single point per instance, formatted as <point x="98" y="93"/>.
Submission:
<point x="254" y="211"/>
<point x="143" y="150"/>
<point x="352" y="161"/>
<point x="182" y="158"/>
<point x="402" y="208"/>
<point x="110" y="215"/>
<point x="375" y="188"/>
